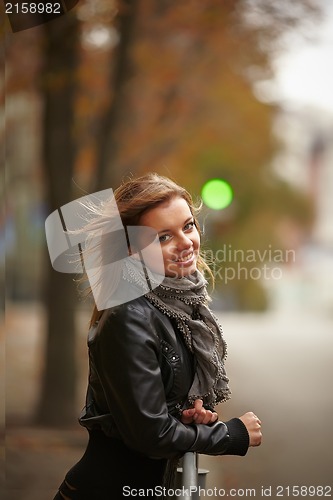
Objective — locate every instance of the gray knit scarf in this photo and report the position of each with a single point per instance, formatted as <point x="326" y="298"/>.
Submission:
<point x="186" y="300"/>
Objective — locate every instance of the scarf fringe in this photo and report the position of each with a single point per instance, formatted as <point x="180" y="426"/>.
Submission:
<point x="185" y="300"/>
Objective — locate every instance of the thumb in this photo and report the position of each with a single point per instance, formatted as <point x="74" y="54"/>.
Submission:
<point x="198" y="403"/>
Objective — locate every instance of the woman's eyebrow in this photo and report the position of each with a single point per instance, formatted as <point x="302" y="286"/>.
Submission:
<point x="184" y="223"/>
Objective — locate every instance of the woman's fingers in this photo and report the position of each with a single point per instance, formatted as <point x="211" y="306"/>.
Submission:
<point x="187" y="416"/>
<point x="198" y="414"/>
<point x="205" y="417"/>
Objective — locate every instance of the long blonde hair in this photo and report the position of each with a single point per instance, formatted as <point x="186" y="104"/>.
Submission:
<point x="136" y="196"/>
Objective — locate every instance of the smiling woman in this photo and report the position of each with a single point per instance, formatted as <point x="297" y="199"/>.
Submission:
<point x="156" y="362"/>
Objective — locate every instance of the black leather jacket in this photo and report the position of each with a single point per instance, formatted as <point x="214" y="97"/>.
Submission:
<point x="140" y="374"/>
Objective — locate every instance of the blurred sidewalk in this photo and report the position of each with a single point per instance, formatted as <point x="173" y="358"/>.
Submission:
<point x="35" y="458"/>
<point x="280" y="366"/>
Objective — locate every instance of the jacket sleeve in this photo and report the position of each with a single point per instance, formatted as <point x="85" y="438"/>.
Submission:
<point x="125" y="355"/>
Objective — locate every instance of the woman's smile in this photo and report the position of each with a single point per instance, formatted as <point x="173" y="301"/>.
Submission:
<point x="185" y="260"/>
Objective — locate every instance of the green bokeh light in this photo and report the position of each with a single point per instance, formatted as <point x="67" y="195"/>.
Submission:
<point x="217" y="194"/>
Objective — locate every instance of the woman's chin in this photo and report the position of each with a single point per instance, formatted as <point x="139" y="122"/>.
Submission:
<point x="181" y="271"/>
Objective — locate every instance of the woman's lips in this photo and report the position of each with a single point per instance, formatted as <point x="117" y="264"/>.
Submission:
<point x="186" y="259"/>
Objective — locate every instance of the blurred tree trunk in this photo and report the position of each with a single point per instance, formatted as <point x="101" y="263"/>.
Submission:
<point x="57" y="404"/>
<point x="108" y="175"/>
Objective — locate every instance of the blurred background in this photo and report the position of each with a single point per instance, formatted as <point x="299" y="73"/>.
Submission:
<point x="239" y="91"/>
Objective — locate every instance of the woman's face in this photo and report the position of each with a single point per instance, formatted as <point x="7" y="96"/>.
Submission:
<point x="178" y="236"/>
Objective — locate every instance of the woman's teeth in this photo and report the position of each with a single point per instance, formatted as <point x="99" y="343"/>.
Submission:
<point x="186" y="258"/>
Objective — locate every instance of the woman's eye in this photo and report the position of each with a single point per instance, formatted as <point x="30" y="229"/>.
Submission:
<point x="189" y="225"/>
<point x="164" y="238"/>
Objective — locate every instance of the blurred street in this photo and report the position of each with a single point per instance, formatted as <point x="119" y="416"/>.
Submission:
<point x="280" y="367"/>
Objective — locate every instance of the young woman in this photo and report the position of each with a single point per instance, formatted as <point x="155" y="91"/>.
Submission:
<point x="156" y="361"/>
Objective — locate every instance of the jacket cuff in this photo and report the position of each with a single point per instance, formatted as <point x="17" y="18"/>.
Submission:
<point x="239" y="439"/>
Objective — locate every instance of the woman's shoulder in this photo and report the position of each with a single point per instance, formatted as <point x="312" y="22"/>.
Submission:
<point x="135" y="312"/>
<point x="139" y="306"/>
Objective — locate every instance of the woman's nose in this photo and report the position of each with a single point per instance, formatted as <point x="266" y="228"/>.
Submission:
<point x="183" y="242"/>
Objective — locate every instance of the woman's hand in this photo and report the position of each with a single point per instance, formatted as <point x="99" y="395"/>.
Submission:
<point x="253" y="426"/>
<point x="198" y="414"/>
